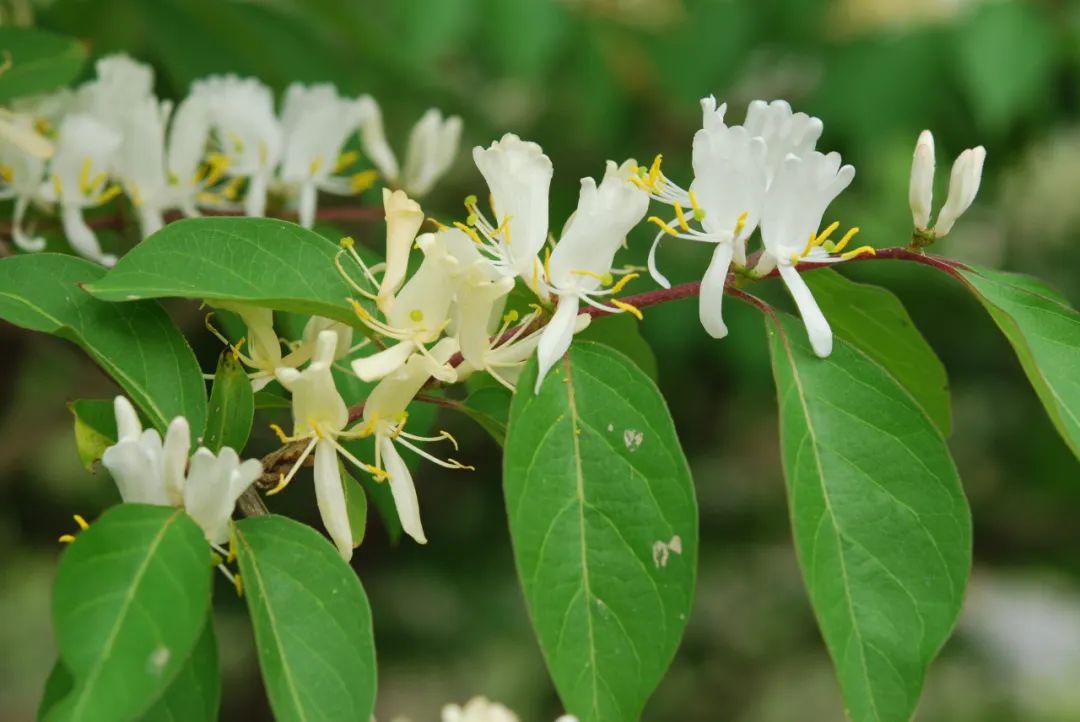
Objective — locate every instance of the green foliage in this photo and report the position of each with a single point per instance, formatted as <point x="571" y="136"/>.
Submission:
<point x="489" y="406"/>
<point x="604" y="525"/>
<point x="355" y="505"/>
<point x="1044" y="331"/>
<point x="40" y="61"/>
<point x="622" y="332"/>
<point x="131" y="598"/>
<point x="312" y="622"/>
<point x="231" y="408"/>
<point x="195" y="694"/>
<point x="135" y="343"/>
<point x="873" y="320"/>
<point x="881" y="525"/>
<point x="95" y="429"/>
<point x="262" y="261"/>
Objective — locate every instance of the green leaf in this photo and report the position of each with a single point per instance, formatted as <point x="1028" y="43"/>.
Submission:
<point x="270" y="400"/>
<point x="873" y="320"/>
<point x="231" y="408"/>
<point x="57" y="686"/>
<point x="490" y="408"/>
<point x="135" y="343"/>
<point x="95" y="429"/>
<point x="312" y="622"/>
<point x="195" y="694"/>
<point x="263" y="261"/>
<point x="881" y="526"/>
<point x="1044" y="331"/>
<point x="604" y="526"/>
<point x="131" y="598"/>
<point x="355" y="505"/>
<point x="621" y="331"/>
<point x="40" y="61"/>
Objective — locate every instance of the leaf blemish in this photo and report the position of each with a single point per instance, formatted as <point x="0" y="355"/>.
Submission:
<point x="661" y="550"/>
<point x="158" y="659"/>
<point x="632" y="439"/>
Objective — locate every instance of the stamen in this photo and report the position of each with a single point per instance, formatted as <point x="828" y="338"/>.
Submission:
<point x="623" y="281"/>
<point x="80" y="521"/>
<point x="844" y="241"/>
<point x="740" y="224"/>
<point x="859" y="252"/>
<point x="345" y="160"/>
<point x="631" y="309"/>
<point x="360" y="182"/>
<point x="663" y="226"/>
<point x="284" y="479"/>
<point x="824" y="235"/>
<point x="699" y="213"/>
<point x="682" y="218"/>
<point x="84" y="175"/>
<point x="66" y="538"/>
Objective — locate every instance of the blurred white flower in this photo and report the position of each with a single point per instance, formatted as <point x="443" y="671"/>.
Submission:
<point x="23" y="154"/>
<point x="481" y="709"/>
<point x="433" y="144"/>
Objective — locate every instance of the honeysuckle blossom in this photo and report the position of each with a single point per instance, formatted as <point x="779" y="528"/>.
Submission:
<point x="481" y="709"/>
<point x="403" y="220"/>
<point x="79" y="178"/>
<point x="385" y="416"/>
<point x="23" y="154"/>
<point x="316" y="122"/>
<point x="579" y="268"/>
<point x="319" y="418"/>
<point x="240" y="114"/>
<point x="433" y="144"/>
<point x="150" y="470"/>
<point x="963" y="186"/>
<point x="518" y="174"/>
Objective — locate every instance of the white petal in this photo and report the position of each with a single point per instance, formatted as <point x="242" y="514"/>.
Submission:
<point x="556" y="337"/>
<point x="711" y="293"/>
<point x="206" y="495"/>
<point x="24" y="242"/>
<point x="174" y="459"/>
<point x="255" y="197"/>
<point x="383" y="363"/>
<point x="921" y="189"/>
<point x="817" y="328"/>
<point x="403" y="220"/>
<point x="81" y="237"/>
<point x="128" y="426"/>
<point x="963" y="187"/>
<point x="373" y="139"/>
<point x="309" y="198"/>
<point x="330" y="496"/>
<point x="403" y="490"/>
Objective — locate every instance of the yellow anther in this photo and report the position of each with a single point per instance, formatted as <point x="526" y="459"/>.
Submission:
<point x="345" y="160"/>
<point x="109" y="193"/>
<point x="844" y="241"/>
<point x="861" y="250"/>
<point x="232" y="188"/>
<point x="6" y="173"/>
<point x="699" y="213"/>
<point x="347" y="242"/>
<point x="66" y="538"/>
<point x="236" y="348"/>
<point x="654" y="170"/>
<point x="360" y="182"/>
<point x="591" y="274"/>
<point x="238" y="582"/>
<point x="359" y="310"/>
<point x="438" y="226"/>
<point x="232" y="544"/>
<point x="58" y="185"/>
<point x="636" y="180"/>
<point x="795" y="258"/>
<point x="84" y="175"/>
<point x="504" y="229"/>
<point x="740" y="223"/>
<point x="208" y="198"/>
<point x="510" y="316"/>
<point x="80" y="521"/>
<point x="136" y="197"/>
<point x="632" y="310"/>
<point x="282" y="436"/>
<point x="216" y="166"/>
<point x="623" y="281"/>
<point x="682" y="218"/>
<point x="376" y="473"/>
<point x="536" y="273"/>
<point x="824" y="235"/>
<point x="416" y="315"/>
<point x="663" y="226"/>
<point x="470" y="232"/>
<point x="547" y="263"/>
<point x="810" y="243"/>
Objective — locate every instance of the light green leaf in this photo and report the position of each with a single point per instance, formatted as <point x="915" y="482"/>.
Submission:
<point x="1044" y="331"/>
<point x="881" y="526"/>
<point x="355" y="505"/>
<point x="604" y="526"/>
<point x="135" y="343"/>
<point x="263" y="261"/>
<point x="621" y="331"/>
<point x="231" y="408"/>
<point x="131" y="598"/>
<point x="873" y="320"/>
<point x="195" y="694"/>
<point x="312" y="622"/>
<point x="40" y="61"/>
<point x="95" y="429"/>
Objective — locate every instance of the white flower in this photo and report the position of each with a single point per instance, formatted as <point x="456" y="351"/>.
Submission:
<point x="148" y="470"/>
<point x="249" y="137"/>
<point x="580" y="266"/>
<point x="186" y="150"/>
<point x="963" y="186"/>
<point x="79" y="171"/>
<point x="481" y="709"/>
<point x="518" y="174"/>
<point x="385" y="415"/>
<point x="316" y="123"/>
<point x="403" y="220"/>
<point x="23" y="153"/>
<point x="320" y="417"/>
<point x="433" y="143"/>
<point x="784" y="132"/>
<point x="794" y="206"/>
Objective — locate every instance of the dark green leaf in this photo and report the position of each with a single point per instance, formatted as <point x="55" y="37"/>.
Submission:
<point x="263" y="261"/>
<point x="312" y="622"/>
<point x="490" y="407"/>
<point x="270" y="400"/>
<point x="195" y="694"/>
<point x="1044" y="330"/>
<point x="231" y="408"/>
<point x="58" y="685"/>
<point x="621" y="331"/>
<point x="131" y="598"/>
<point x="355" y="504"/>
<point x="136" y="343"/>
<point x="881" y="526"/>
<point x="873" y="320"/>
<point x="95" y="429"/>
<point x="40" y="61"/>
<point x="604" y="525"/>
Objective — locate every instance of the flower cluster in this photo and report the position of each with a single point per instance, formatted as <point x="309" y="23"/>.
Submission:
<point x="223" y="148"/>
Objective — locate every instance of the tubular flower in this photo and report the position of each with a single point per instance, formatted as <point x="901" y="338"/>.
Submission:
<point x="963" y="186"/>
<point x="241" y="120"/>
<point x="518" y="175"/>
<point x="794" y="206"/>
<point x="319" y="418"/>
<point x="580" y="266"/>
<point x="385" y="416"/>
<point x="79" y="179"/>
<point x="433" y="144"/>
<point x="403" y="220"/>
<point x="148" y="470"/>
<point x="316" y="122"/>
<point x="419" y="313"/>
<point x="23" y="153"/>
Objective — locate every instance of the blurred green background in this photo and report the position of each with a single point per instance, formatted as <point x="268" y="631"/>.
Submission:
<point x="597" y="79"/>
